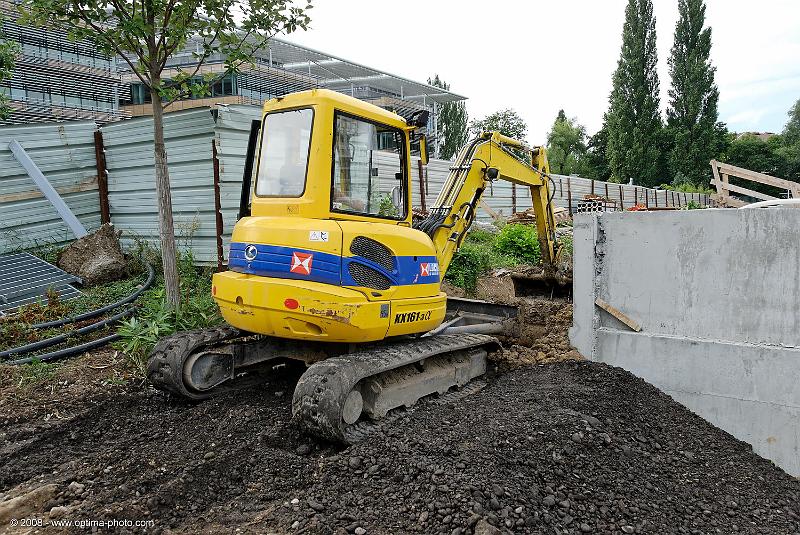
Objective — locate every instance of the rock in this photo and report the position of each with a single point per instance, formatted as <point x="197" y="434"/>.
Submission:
<point x="594" y="422"/>
<point x="209" y="455"/>
<point x="360" y="531"/>
<point x="303" y="449"/>
<point x="96" y="258"/>
<point x="549" y="500"/>
<point x="485" y="528"/>
<point x="355" y="462"/>
<point x="586" y="528"/>
<point x="497" y="490"/>
<point x="628" y="529"/>
<point x="58" y="511"/>
<point x="26" y="504"/>
<point x="315" y="505"/>
<point x="295" y="501"/>
<point x="76" y="488"/>
<point x="577" y="437"/>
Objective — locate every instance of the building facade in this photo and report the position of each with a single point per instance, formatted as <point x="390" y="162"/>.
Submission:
<point x="285" y="67"/>
<point x="56" y="79"/>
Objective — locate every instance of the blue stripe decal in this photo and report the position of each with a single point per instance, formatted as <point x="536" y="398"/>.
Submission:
<point x="276" y="261"/>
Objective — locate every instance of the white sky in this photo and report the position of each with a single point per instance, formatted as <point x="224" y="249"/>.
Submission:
<point x="539" y="56"/>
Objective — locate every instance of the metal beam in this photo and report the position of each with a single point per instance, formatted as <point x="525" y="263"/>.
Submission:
<point x="47" y="189"/>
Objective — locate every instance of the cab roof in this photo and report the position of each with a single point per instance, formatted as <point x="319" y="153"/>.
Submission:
<point x="336" y="100"/>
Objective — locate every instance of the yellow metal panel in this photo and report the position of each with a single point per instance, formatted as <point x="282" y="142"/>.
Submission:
<point x="299" y="309"/>
<point x="411" y="316"/>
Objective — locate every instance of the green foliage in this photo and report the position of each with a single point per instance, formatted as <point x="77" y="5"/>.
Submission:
<point x="8" y="58"/>
<point x="692" y="113"/>
<point x="155" y="318"/>
<point x="476" y="257"/>
<point x="36" y="372"/>
<point x="519" y="242"/>
<point x="387" y="208"/>
<point x="692" y="205"/>
<point x="566" y="146"/>
<point x="452" y="123"/>
<point x="507" y="122"/>
<point x="634" y="120"/>
<point x="597" y="166"/>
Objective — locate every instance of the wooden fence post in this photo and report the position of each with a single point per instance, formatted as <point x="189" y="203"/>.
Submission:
<point x="217" y="206"/>
<point x="102" y="176"/>
<point x="569" y="196"/>
<point x="621" y="198"/>
<point x="513" y="198"/>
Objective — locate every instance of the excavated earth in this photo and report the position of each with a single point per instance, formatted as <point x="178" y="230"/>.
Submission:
<point x="564" y="447"/>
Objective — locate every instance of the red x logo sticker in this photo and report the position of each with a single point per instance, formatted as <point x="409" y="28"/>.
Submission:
<point x="301" y="263"/>
<point x="423" y="269"/>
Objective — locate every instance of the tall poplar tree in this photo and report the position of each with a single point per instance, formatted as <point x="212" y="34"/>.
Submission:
<point x="634" y="121"/>
<point x="692" y="113"/>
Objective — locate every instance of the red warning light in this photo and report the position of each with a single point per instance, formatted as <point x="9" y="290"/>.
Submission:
<point x="291" y="304"/>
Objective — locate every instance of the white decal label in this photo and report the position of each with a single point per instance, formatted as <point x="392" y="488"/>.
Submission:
<point x="317" y="235"/>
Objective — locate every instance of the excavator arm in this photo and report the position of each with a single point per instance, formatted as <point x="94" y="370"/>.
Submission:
<point x="490" y="156"/>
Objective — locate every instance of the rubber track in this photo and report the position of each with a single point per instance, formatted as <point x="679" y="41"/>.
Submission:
<point x="165" y="363"/>
<point x="321" y="391"/>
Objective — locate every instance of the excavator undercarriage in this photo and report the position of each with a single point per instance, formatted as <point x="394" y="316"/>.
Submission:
<point x="348" y="390"/>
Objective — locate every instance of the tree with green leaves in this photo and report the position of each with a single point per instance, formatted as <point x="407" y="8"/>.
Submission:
<point x="566" y="146"/>
<point x="8" y="58"/>
<point x="634" y="121"/>
<point x="692" y="113"/>
<point x="790" y="141"/>
<point x="597" y="155"/>
<point x="507" y="122"/>
<point x="451" y="123"/>
<point x="145" y="34"/>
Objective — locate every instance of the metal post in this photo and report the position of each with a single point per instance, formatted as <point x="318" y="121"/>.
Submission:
<point x="569" y="196"/>
<point x="621" y="198"/>
<point x="513" y="198"/>
<point x="102" y="176"/>
<point x="421" y="170"/>
<point x="217" y="206"/>
<point x="47" y="189"/>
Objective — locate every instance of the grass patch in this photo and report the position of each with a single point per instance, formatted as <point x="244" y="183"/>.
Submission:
<point x="155" y="319"/>
<point x="36" y="372"/>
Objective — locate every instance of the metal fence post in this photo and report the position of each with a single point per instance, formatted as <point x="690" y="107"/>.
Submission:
<point x="102" y="176"/>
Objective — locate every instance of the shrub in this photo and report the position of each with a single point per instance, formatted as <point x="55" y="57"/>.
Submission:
<point x="520" y="242"/>
<point x="155" y="319"/>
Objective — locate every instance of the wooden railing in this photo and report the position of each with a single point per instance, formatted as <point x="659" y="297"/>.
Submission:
<point x="722" y="173"/>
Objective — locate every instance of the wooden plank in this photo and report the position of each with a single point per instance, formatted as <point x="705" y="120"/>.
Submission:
<point x="716" y="180"/>
<point x="755" y="176"/>
<point x="621" y="316"/>
<point x="749" y="192"/>
<point x="86" y="185"/>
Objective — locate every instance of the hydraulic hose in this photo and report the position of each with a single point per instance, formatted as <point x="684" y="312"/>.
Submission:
<point x="151" y="275"/>
<point x="66" y="336"/>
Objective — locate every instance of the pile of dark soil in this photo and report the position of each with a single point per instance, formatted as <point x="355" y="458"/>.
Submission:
<point x="572" y="447"/>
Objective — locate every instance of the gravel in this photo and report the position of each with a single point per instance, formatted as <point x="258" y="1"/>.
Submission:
<point x="504" y="460"/>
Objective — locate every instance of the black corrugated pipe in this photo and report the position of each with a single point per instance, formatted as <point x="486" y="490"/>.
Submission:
<point x="66" y="336"/>
<point x="151" y="275"/>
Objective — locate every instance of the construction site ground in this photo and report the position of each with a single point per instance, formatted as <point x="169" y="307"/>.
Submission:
<point x="552" y="444"/>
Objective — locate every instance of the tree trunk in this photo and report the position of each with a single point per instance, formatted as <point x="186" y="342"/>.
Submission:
<point x="166" y="228"/>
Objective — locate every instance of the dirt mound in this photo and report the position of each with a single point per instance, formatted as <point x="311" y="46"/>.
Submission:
<point x="95" y="258"/>
<point x="565" y="448"/>
<point x="540" y="334"/>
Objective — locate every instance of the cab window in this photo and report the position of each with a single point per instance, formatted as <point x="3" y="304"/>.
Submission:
<point x="283" y="165"/>
<point x="367" y="180"/>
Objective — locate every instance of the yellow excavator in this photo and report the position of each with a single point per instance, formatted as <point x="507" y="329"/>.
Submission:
<point x="327" y="267"/>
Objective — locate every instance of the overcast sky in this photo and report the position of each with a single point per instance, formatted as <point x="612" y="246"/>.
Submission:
<point x="540" y="56"/>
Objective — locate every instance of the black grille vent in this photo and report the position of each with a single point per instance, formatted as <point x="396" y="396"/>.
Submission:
<point x="373" y="250"/>
<point x="368" y="277"/>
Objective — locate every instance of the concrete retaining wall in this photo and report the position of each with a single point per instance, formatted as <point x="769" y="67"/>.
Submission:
<point x="717" y="295"/>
